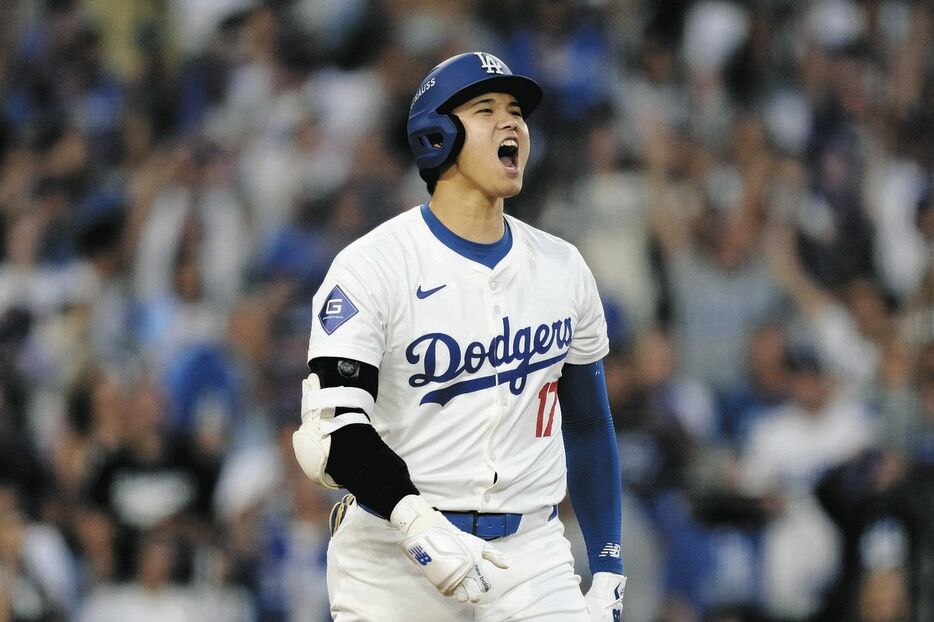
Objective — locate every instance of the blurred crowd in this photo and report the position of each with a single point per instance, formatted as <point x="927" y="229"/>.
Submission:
<point x="751" y="183"/>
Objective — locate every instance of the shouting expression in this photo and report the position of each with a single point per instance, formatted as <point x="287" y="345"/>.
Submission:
<point x="497" y="144"/>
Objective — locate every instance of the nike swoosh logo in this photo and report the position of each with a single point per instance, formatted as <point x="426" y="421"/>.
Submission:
<point x="422" y="294"/>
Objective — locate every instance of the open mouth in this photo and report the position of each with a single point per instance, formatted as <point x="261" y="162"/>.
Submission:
<point x="508" y="154"/>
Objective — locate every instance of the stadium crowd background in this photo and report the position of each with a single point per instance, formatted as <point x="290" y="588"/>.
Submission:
<point x="750" y="182"/>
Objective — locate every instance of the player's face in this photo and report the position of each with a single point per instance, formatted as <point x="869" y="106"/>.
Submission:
<point x="497" y="145"/>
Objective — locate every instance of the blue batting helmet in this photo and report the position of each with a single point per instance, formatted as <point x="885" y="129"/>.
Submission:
<point x="435" y="134"/>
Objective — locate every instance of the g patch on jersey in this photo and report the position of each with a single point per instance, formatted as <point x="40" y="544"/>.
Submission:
<point x="336" y="310"/>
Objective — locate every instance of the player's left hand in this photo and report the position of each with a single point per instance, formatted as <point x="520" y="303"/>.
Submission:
<point x="605" y="597"/>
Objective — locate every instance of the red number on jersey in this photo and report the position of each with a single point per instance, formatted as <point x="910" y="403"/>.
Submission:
<point x="550" y="388"/>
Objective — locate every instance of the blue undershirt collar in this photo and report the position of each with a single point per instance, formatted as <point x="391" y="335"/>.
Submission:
<point x="487" y="254"/>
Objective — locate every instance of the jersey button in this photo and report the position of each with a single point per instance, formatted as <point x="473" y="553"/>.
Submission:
<point x="487" y="497"/>
<point x="497" y="309"/>
<point x="494" y="285"/>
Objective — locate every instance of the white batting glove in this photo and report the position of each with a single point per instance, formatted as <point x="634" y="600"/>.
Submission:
<point x="448" y="557"/>
<point x="605" y="597"/>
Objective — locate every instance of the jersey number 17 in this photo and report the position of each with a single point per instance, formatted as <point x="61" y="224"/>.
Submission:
<point x="541" y="428"/>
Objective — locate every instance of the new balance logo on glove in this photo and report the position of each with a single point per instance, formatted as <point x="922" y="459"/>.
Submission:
<point x="420" y="555"/>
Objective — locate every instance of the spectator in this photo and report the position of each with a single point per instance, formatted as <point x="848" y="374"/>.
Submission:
<point x="851" y="332"/>
<point x="155" y="594"/>
<point x="870" y="499"/>
<point x="661" y="424"/>
<point x="763" y="390"/>
<point x="293" y="536"/>
<point x="608" y="220"/>
<point x="154" y="479"/>
<point x="36" y="580"/>
<point x="24" y="280"/>
<point x="917" y="325"/>
<point x="188" y="209"/>
<point x="784" y="456"/>
<point x="721" y="290"/>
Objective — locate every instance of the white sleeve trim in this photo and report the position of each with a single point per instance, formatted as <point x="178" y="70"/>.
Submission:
<point x="587" y="359"/>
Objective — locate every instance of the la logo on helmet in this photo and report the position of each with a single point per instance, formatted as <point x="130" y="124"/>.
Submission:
<point x="490" y="62"/>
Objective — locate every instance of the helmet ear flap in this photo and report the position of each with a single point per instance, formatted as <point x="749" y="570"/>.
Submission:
<point x="435" y="139"/>
<point x="452" y="129"/>
<point x="460" y="134"/>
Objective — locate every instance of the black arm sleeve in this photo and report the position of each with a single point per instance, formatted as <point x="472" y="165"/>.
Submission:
<point x="364" y="464"/>
<point x="359" y="459"/>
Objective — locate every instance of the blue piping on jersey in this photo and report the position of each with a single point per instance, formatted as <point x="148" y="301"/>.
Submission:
<point x="487" y="254"/>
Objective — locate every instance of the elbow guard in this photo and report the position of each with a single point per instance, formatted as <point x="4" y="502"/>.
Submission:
<point x="328" y="408"/>
<point x="337" y="447"/>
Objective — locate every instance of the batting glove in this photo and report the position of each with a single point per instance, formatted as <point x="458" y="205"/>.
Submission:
<point x="605" y="597"/>
<point x="447" y="556"/>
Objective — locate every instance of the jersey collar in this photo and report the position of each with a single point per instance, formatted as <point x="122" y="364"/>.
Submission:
<point x="488" y="255"/>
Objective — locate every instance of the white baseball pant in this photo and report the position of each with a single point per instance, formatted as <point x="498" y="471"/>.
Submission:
<point x="370" y="580"/>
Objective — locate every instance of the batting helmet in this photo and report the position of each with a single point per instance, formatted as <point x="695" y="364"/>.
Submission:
<point x="435" y="134"/>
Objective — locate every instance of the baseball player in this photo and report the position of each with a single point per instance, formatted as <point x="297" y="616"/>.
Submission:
<point x="457" y="390"/>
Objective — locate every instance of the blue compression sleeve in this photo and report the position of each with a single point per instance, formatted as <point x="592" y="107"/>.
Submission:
<point x="593" y="463"/>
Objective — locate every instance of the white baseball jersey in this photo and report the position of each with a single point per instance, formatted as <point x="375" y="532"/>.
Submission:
<point x="468" y="357"/>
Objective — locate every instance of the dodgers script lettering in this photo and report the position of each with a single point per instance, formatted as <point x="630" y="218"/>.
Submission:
<point x="433" y="349"/>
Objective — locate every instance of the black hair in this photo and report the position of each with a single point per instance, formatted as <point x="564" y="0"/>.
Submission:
<point x="430" y="176"/>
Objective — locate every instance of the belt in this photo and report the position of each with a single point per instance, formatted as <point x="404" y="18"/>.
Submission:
<point x="486" y="526"/>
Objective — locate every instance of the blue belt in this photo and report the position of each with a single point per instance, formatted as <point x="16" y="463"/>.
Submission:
<point x="484" y="526"/>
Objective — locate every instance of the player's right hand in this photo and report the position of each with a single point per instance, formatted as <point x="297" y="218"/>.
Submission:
<point x="447" y="556"/>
